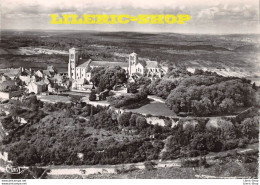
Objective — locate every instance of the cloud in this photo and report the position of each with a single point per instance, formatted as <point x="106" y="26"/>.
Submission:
<point x="228" y="13"/>
<point x="224" y="15"/>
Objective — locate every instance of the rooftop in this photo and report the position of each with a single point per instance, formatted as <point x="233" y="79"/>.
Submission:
<point x="152" y="64"/>
<point x="103" y="64"/>
<point x="85" y="64"/>
<point x="40" y="83"/>
<point x="108" y="64"/>
<point x="46" y="72"/>
<point x="11" y="71"/>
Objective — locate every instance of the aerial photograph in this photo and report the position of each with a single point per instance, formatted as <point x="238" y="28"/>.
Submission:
<point x="129" y="89"/>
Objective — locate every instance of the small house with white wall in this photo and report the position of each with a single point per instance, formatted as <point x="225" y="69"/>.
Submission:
<point x="37" y="87"/>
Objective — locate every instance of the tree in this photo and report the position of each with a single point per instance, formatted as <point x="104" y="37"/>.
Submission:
<point x="112" y="76"/>
<point x="132" y="87"/>
<point x="250" y="127"/>
<point x="202" y="107"/>
<point x="132" y="120"/>
<point x="145" y="81"/>
<point x="227" y="105"/>
<point x="254" y="86"/>
<point x="92" y="96"/>
<point x="150" y="165"/>
<point x="124" y="119"/>
<point x="32" y="156"/>
<point x="213" y="143"/>
<point x="151" y="88"/>
<point x="164" y="88"/>
<point x="172" y="148"/>
<point x="8" y="123"/>
<point x="199" y="142"/>
<point x="227" y="129"/>
<point x="96" y="74"/>
<point x="141" y="122"/>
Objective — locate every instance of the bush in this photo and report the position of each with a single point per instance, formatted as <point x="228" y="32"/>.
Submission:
<point x="141" y="122"/>
<point x="132" y="167"/>
<point x="149" y="165"/>
<point x="126" y="100"/>
<point x="132" y="87"/>
<point x="243" y="142"/>
<point x="92" y="96"/>
<point x="190" y="163"/>
<point x="231" y="144"/>
<point x="124" y="119"/>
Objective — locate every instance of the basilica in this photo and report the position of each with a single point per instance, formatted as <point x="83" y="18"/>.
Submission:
<point x="133" y="67"/>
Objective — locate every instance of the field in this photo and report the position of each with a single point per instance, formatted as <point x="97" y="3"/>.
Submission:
<point x="236" y="55"/>
<point x="155" y="109"/>
<point x="55" y="99"/>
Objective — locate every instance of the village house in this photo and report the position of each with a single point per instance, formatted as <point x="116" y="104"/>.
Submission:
<point x="50" y="71"/>
<point x="5" y="78"/>
<point x="26" y="72"/>
<point x="39" y="74"/>
<point x="79" y="84"/>
<point x="39" y="81"/>
<point x="61" y="80"/>
<point x="25" y="79"/>
<point x="37" y="87"/>
<point x="12" y="73"/>
<point x="9" y="88"/>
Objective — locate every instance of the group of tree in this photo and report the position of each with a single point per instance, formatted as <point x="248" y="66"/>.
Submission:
<point x="107" y="78"/>
<point x="129" y="119"/>
<point x="191" y="141"/>
<point x="60" y="138"/>
<point x="207" y="95"/>
<point x="201" y="93"/>
<point x="160" y="87"/>
<point x="124" y="100"/>
<point x="56" y="136"/>
<point x="132" y="87"/>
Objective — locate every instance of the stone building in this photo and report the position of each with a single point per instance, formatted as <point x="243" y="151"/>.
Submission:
<point x="147" y="68"/>
<point x="79" y="71"/>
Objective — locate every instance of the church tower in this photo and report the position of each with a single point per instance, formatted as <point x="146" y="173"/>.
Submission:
<point x="133" y="60"/>
<point x="73" y="62"/>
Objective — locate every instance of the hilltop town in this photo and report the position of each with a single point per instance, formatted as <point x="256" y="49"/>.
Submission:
<point x="16" y="81"/>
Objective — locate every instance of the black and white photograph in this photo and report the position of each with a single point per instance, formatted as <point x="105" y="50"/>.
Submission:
<point x="129" y="89"/>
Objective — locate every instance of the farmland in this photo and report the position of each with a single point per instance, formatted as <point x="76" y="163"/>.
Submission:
<point x="236" y="55"/>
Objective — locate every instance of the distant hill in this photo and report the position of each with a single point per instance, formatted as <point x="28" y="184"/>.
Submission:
<point x="235" y="54"/>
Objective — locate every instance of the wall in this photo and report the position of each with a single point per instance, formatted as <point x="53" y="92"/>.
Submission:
<point x="8" y="95"/>
<point x="155" y="120"/>
<point x="4" y="95"/>
<point x="4" y="156"/>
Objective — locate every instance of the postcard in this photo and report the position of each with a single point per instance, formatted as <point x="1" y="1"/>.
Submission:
<point x="128" y="89"/>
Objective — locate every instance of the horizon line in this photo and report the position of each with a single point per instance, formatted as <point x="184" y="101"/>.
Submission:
<point x="112" y="31"/>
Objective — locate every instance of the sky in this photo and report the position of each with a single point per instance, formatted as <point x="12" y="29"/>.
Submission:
<point x="207" y="16"/>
